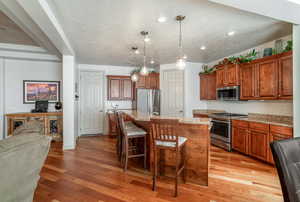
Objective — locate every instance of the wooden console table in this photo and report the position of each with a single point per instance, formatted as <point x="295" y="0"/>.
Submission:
<point x="52" y="122"/>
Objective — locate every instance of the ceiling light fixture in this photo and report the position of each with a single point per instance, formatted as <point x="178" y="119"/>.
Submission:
<point x="294" y="1"/>
<point x="134" y="77"/>
<point x="162" y="19"/>
<point x="135" y="50"/>
<point x="152" y="61"/>
<point x="202" y="47"/>
<point x="231" y="33"/>
<point x="144" y="69"/>
<point x="181" y="63"/>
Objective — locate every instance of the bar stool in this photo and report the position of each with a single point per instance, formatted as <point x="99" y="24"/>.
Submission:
<point x="165" y="137"/>
<point x="119" y="143"/>
<point x="130" y="147"/>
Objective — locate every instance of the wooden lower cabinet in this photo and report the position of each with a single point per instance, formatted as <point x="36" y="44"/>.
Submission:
<point x="254" y="138"/>
<point x="258" y="141"/>
<point x="240" y="139"/>
<point x="52" y="123"/>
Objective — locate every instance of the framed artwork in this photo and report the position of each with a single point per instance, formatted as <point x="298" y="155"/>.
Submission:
<point x="41" y="90"/>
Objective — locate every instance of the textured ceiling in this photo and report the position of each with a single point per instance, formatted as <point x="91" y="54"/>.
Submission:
<point x="103" y="31"/>
<point x="11" y="33"/>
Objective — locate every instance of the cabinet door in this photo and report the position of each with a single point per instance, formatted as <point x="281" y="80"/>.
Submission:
<point x="203" y="87"/>
<point x="231" y="75"/>
<point x="148" y="82"/>
<point x="127" y="93"/>
<point x="286" y="77"/>
<point x="220" y="76"/>
<point x="247" y="80"/>
<point x="211" y="87"/>
<point x="114" y="89"/>
<point x="267" y="76"/>
<point x="141" y="82"/>
<point x="258" y="144"/>
<point x="154" y="81"/>
<point x="240" y="139"/>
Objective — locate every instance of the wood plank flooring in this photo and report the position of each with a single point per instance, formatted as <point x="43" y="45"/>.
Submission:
<point x="92" y="173"/>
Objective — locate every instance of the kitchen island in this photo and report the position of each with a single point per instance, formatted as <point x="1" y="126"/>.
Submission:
<point x="196" y="130"/>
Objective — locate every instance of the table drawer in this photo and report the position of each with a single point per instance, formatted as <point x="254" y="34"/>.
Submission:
<point x="281" y="130"/>
<point x="259" y="126"/>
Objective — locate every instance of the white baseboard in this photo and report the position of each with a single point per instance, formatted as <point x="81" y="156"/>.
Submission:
<point x="68" y="147"/>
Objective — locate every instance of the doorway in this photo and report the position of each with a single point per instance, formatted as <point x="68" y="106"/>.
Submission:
<point x="172" y="92"/>
<point x="91" y="102"/>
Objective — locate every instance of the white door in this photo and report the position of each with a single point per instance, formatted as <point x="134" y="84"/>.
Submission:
<point x="172" y="92"/>
<point x="91" y="102"/>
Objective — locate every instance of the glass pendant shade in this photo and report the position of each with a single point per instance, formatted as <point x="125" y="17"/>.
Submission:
<point x="180" y="63"/>
<point x="144" y="71"/>
<point x="134" y="77"/>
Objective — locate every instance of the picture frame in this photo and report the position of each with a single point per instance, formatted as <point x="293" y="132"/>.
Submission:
<point x="34" y="90"/>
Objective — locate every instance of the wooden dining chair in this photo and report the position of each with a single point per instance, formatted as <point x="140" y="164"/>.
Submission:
<point x="119" y="135"/>
<point x="165" y="137"/>
<point x="130" y="144"/>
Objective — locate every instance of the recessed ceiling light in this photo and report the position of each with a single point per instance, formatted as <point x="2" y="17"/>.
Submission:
<point x="137" y="52"/>
<point x="294" y="1"/>
<point x="231" y="33"/>
<point x="152" y="62"/>
<point x="162" y="19"/>
<point x="203" y="47"/>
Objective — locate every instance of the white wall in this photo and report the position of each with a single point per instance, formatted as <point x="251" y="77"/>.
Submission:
<point x="191" y="87"/>
<point x="1" y="99"/>
<point x="109" y="70"/>
<point x="69" y="124"/>
<point x="264" y="107"/>
<point x="18" y="70"/>
<point x="296" y="79"/>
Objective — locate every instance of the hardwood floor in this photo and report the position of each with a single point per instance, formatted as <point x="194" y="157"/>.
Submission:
<point x="92" y="173"/>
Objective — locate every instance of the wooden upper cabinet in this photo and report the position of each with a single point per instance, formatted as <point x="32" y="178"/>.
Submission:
<point x="285" y="81"/>
<point x="119" y="88"/>
<point x="208" y="86"/>
<point x="141" y="83"/>
<point x="267" y="78"/>
<point x="150" y="81"/>
<point x="114" y="88"/>
<point x="232" y="75"/>
<point x="247" y="80"/>
<point x="227" y="75"/>
<point x="220" y="77"/>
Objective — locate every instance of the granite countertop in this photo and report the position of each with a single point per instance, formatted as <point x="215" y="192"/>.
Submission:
<point x="207" y="111"/>
<point x="139" y="116"/>
<point x="277" y="120"/>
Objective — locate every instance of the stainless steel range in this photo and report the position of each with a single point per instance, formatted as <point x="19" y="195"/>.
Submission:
<point x="221" y="129"/>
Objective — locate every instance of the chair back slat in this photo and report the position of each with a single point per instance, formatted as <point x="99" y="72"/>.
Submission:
<point x="122" y="123"/>
<point x="118" y="128"/>
<point x="164" y="130"/>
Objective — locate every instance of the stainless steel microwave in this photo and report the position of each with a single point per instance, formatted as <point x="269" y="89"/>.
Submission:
<point x="231" y="93"/>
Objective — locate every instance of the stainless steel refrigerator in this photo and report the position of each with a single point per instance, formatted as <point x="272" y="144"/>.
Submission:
<point x="148" y="101"/>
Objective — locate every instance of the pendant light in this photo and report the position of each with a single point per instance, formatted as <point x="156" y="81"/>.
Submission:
<point x="134" y="77"/>
<point x="144" y="70"/>
<point x="181" y="63"/>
